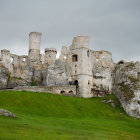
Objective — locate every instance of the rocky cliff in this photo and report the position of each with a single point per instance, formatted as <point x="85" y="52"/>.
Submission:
<point x="102" y="79"/>
<point x="4" y="76"/>
<point x="58" y="73"/>
<point x="126" y="86"/>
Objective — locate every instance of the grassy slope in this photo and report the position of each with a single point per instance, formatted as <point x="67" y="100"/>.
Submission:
<point x="47" y="116"/>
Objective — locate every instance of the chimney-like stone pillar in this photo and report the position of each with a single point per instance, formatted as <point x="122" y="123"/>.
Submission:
<point x="34" y="47"/>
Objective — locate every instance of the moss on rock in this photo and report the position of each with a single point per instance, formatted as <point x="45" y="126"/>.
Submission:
<point x="127" y="92"/>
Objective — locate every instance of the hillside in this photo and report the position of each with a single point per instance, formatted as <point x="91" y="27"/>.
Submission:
<point x="48" y="117"/>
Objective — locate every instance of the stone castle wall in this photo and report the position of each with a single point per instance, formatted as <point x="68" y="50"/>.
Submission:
<point x="69" y="89"/>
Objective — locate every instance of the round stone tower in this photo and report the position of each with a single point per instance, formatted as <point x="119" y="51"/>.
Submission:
<point x="34" y="47"/>
<point x="50" y="55"/>
<point x="80" y="42"/>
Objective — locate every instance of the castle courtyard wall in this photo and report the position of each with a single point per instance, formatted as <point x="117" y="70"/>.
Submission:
<point x="69" y="89"/>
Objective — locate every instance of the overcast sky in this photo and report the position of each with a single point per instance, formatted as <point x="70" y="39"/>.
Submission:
<point x="113" y="25"/>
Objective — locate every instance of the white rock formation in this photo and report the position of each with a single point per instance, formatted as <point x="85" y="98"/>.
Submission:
<point x="126" y="86"/>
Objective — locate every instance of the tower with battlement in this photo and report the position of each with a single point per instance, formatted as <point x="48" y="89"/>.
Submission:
<point x="50" y="55"/>
<point x="34" y="47"/>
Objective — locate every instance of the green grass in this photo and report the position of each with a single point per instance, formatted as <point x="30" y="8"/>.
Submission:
<point x="44" y="116"/>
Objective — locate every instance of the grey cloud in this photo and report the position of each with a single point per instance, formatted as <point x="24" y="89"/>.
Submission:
<point x="113" y="25"/>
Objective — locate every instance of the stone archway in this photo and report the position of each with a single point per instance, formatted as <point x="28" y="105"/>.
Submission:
<point x="70" y="92"/>
<point x="77" y="84"/>
<point x="62" y="92"/>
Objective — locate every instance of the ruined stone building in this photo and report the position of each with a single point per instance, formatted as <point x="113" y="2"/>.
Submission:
<point x="90" y="72"/>
<point x="79" y="71"/>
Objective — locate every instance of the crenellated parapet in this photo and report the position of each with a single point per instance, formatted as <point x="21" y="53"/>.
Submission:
<point x="49" y="50"/>
<point x="103" y="58"/>
<point x="50" y="55"/>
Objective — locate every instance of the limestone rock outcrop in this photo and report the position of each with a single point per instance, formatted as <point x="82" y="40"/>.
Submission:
<point x="58" y="73"/>
<point x="16" y="81"/>
<point x="4" y="76"/>
<point x="102" y="73"/>
<point x="126" y="86"/>
<point x="102" y="77"/>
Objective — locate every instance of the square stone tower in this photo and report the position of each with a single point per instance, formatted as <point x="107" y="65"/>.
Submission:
<point x="81" y="63"/>
<point x="50" y="55"/>
<point x="6" y="59"/>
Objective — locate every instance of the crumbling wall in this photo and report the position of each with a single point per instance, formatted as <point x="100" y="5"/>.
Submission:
<point x="6" y="59"/>
<point x="102" y="73"/>
<point x="64" y="53"/>
<point x="19" y="64"/>
<point x="103" y="58"/>
<point x="50" y="55"/>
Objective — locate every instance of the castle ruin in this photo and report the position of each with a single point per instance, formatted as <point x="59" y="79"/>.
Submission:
<point x="88" y="70"/>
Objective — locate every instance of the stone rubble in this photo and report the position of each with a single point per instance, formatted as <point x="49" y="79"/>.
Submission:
<point x="7" y="113"/>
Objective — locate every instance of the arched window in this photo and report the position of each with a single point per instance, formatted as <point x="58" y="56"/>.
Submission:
<point x="12" y="59"/>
